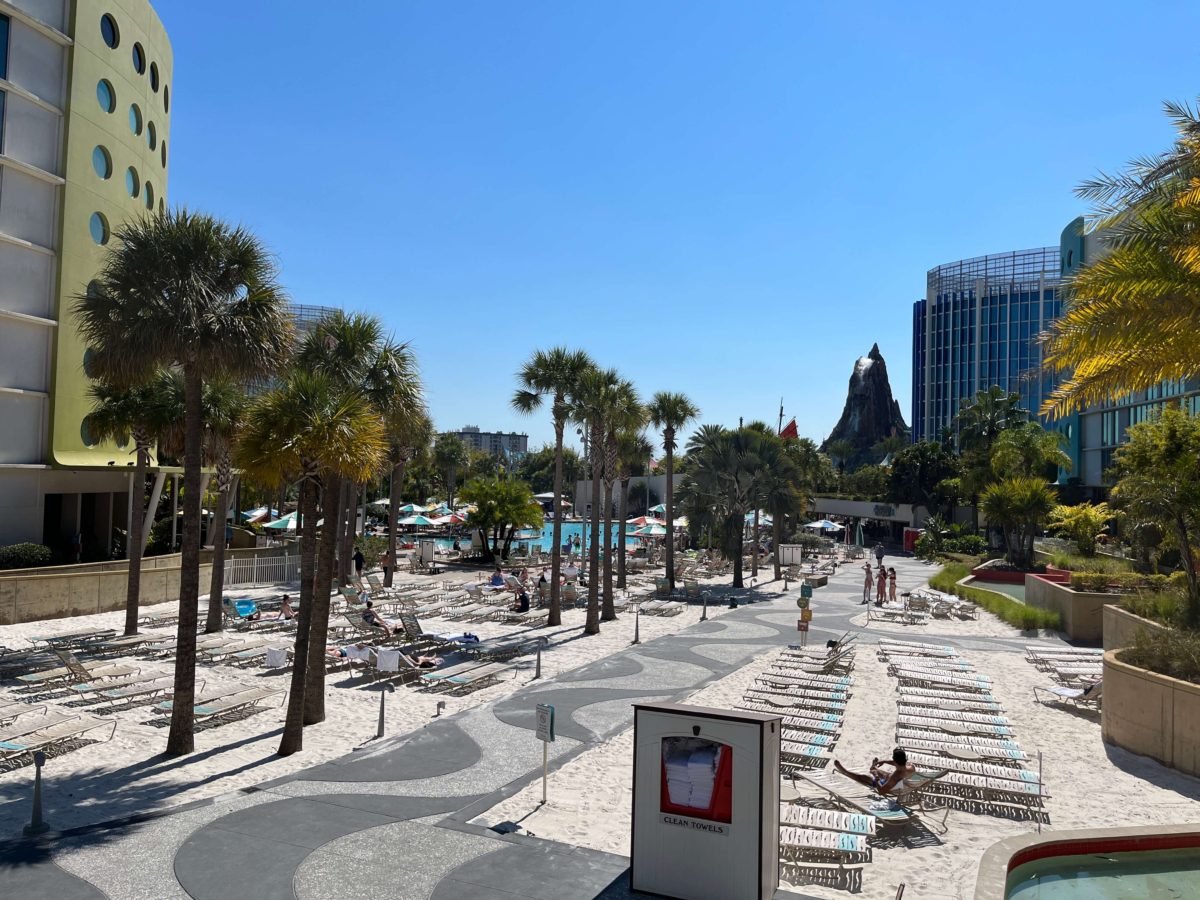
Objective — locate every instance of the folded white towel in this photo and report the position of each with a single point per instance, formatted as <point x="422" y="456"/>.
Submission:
<point x="388" y="660"/>
<point x="276" y="657"/>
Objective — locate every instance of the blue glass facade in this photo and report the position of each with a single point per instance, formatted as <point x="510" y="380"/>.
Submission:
<point x="977" y="327"/>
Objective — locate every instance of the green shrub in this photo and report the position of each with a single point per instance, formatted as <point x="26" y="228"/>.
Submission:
<point x="926" y="547"/>
<point x="1156" y="583"/>
<point x="971" y="544"/>
<point x="1015" y="613"/>
<point x="1175" y="653"/>
<point x="1167" y="608"/>
<point x="24" y="556"/>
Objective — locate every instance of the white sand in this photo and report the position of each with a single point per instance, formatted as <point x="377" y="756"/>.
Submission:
<point x="129" y="774"/>
<point x="1090" y="785"/>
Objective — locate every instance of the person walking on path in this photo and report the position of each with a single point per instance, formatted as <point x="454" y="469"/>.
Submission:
<point x="879" y="553"/>
<point x="892" y="584"/>
<point x="881" y="586"/>
<point x="359" y="561"/>
<point x="868" y="584"/>
<point x="386" y="563"/>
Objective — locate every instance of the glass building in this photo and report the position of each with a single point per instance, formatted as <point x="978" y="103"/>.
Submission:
<point x="1100" y="429"/>
<point x="977" y="326"/>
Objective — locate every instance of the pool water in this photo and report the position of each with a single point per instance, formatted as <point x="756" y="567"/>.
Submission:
<point x="545" y="540"/>
<point x="1142" y="875"/>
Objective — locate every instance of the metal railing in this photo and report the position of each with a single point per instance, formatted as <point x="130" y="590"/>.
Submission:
<point x="262" y="570"/>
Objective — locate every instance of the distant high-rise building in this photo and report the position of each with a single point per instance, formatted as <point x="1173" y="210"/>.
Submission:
<point x="495" y="442"/>
<point x="978" y="326"/>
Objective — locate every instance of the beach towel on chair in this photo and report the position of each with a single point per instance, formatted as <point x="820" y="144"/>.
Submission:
<point x="276" y="657"/>
<point x="387" y="660"/>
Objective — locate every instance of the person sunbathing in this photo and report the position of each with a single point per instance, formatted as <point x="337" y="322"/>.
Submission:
<point x="374" y="619"/>
<point x="422" y="662"/>
<point x="359" y="651"/>
<point x="886" y="774"/>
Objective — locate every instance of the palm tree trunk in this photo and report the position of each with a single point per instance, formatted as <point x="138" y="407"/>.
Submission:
<point x="754" y="548"/>
<point x="555" y="617"/>
<point x="669" y="440"/>
<point x="180" y="739"/>
<point x="775" y="534"/>
<point x="592" y="624"/>
<point x="293" y="726"/>
<point x="737" y="557"/>
<point x="133" y="581"/>
<point x="349" y="495"/>
<point x="217" y="585"/>
<point x="318" y="622"/>
<point x="607" y="612"/>
<point x="622" y="513"/>
<point x="397" y="484"/>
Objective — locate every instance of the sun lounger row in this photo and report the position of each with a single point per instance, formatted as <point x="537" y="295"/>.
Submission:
<point x="845" y="847"/>
<point x="926" y="697"/>
<point x="831" y="819"/>
<point x="52" y="738"/>
<point x="225" y="703"/>
<point x="775" y="701"/>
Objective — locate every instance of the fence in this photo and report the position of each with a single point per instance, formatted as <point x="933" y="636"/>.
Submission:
<point x="262" y="570"/>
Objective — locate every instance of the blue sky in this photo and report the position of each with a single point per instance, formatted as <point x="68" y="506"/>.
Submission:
<point x="733" y="200"/>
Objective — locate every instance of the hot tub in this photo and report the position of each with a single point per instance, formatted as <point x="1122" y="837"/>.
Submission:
<point x="1106" y="864"/>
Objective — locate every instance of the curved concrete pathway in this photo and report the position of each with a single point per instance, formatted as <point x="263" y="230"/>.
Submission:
<point x="392" y="821"/>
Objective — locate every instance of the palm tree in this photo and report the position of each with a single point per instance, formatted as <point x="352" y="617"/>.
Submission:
<point x="671" y="412"/>
<point x="1030" y="450"/>
<point x="408" y="434"/>
<point x="225" y="405"/>
<point x="185" y="290"/>
<point x="123" y="415"/>
<point x="592" y="401"/>
<point x="633" y="451"/>
<point x="841" y="451"/>
<point x="1019" y="506"/>
<point x="552" y="373"/>
<point x="981" y="419"/>
<point x="625" y="412"/>
<point x="1132" y="315"/>
<point x="778" y="482"/>
<point x="450" y="455"/>
<point x="351" y="350"/>
<point x="313" y="427"/>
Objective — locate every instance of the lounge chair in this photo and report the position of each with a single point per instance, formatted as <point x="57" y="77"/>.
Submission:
<point x="850" y="794"/>
<point x="1088" y="697"/>
<point x="781" y="704"/>
<point x="220" y="705"/>
<point x="955" y="726"/>
<point x="801" y="844"/>
<point x="961" y="745"/>
<point x="416" y="634"/>
<point x="144" y="687"/>
<point x="438" y="675"/>
<point x="29" y="724"/>
<point x="75" y="671"/>
<point x="54" y="737"/>
<point x="14" y="709"/>
<point x="476" y="677"/>
<point x="72" y="638"/>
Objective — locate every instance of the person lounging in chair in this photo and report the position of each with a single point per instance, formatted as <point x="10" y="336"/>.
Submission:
<point x="886" y="774"/>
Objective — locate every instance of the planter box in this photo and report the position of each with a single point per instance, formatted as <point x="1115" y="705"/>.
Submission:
<point x="987" y="572"/>
<point x="1061" y="576"/>
<point x="1081" y="613"/>
<point x="816" y="580"/>
<point x="1121" y="625"/>
<point x="1152" y="715"/>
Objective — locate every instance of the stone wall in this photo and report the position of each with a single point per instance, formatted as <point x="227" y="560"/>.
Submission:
<point x="1151" y="714"/>
<point x="1081" y="613"/>
<point x="1121" y="625"/>
<point x="32" y="598"/>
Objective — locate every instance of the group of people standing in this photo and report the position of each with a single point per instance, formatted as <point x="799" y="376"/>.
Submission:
<point x="882" y="579"/>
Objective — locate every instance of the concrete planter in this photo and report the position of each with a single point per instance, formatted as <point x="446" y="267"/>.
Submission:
<point x="1081" y="613"/>
<point x="1151" y="715"/>
<point x="32" y="598"/>
<point x="1121" y="625"/>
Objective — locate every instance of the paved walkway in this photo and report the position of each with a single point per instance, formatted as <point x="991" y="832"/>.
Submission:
<point x="392" y="821"/>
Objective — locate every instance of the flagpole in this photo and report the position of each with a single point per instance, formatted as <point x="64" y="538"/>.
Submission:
<point x="780" y="428"/>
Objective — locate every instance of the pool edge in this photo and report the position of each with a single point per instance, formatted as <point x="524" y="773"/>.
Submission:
<point x="1005" y="855"/>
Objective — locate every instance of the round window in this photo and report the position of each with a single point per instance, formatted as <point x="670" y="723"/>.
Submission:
<point x="106" y="96"/>
<point x="132" y="184"/>
<point x="151" y="135"/>
<point x="135" y="119"/>
<point x="139" y="59"/>
<point x="98" y="225"/>
<point x="154" y="77"/>
<point x="102" y="162"/>
<point x="149" y="197"/>
<point x="109" y="31"/>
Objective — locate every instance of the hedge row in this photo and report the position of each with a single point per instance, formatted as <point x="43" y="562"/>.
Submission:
<point x="1011" y="611"/>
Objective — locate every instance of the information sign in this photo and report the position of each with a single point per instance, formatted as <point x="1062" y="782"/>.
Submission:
<point x="545" y="723"/>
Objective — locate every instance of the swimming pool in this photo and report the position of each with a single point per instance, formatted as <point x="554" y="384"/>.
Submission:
<point x="1102" y="875"/>
<point x="545" y="540"/>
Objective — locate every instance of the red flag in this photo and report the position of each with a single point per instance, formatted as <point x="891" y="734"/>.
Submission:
<point x="789" y="431"/>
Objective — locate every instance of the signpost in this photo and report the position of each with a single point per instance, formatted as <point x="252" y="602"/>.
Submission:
<point x="545" y="734"/>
